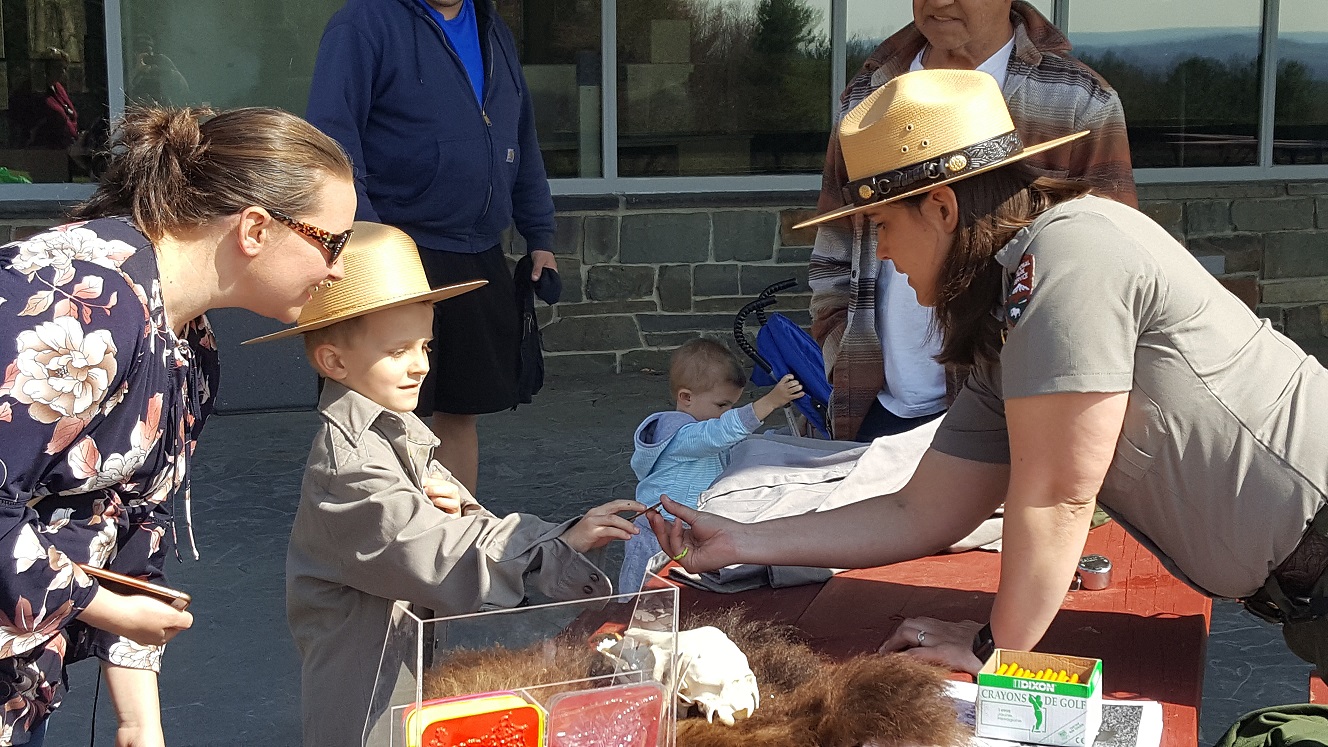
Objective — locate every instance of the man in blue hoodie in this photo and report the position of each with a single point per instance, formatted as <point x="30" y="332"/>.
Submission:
<point x="428" y="98"/>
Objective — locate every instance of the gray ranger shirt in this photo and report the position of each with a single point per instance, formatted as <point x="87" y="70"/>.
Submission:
<point x="365" y="535"/>
<point x="1223" y="457"/>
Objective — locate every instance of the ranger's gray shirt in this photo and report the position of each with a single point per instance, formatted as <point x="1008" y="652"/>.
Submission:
<point x="365" y="534"/>
<point x="1223" y="457"/>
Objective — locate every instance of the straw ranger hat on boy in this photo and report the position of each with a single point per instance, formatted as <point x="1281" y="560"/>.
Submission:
<point x="922" y="130"/>
<point x="383" y="271"/>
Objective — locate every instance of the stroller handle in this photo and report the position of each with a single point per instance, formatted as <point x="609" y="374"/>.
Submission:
<point x="769" y="292"/>
<point x="740" y="336"/>
<point x="779" y="287"/>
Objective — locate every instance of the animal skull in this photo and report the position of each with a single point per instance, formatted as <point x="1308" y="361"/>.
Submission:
<point x="710" y="671"/>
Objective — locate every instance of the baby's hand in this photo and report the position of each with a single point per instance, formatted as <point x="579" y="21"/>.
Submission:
<point x="787" y="390"/>
<point x="601" y="525"/>
<point x="443" y="494"/>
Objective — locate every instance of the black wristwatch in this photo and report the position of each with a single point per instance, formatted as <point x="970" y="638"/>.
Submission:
<point x="983" y="645"/>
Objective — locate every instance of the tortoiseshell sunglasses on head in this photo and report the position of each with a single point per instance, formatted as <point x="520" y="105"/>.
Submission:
<point x="332" y="243"/>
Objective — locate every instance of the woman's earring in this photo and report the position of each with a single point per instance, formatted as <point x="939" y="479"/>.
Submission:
<point x="327" y="283"/>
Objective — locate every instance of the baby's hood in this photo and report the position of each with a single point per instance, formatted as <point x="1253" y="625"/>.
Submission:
<point x="652" y="436"/>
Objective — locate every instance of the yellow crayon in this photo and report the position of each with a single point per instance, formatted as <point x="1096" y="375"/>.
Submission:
<point x="1074" y="679"/>
<point x="1003" y="669"/>
<point x="1062" y="677"/>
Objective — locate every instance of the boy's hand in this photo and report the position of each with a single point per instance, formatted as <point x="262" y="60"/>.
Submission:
<point x="602" y="525"/>
<point x="443" y="494"/>
<point x="787" y="390"/>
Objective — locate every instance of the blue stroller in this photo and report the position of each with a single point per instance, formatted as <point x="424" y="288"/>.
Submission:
<point x="782" y="347"/>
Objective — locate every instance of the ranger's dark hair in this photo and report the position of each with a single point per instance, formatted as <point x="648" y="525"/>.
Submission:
<point x="993" y="207"/>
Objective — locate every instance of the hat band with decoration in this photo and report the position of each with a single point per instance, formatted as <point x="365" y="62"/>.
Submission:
<point x="933" y="171"/>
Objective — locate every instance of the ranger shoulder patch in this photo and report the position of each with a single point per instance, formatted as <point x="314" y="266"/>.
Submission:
<point x="1021" y="290"/>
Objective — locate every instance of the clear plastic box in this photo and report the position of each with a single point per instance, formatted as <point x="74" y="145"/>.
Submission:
<point x="601" y="670"/>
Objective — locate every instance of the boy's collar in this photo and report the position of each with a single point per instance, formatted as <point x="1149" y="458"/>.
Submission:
<point x="353" y="413"/>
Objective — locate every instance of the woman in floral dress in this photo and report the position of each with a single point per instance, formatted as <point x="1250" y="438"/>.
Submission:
<point x="109" y="371"/>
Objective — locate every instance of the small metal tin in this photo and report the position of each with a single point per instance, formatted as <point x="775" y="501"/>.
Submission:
<point x="1095" y="572"/>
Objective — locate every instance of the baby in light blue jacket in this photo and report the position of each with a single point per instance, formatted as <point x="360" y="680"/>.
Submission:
<point x="680" y="453"/>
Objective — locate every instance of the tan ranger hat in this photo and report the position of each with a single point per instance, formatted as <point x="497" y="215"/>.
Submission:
<point x="383" y="271"/>
<point x="922" y="130"/>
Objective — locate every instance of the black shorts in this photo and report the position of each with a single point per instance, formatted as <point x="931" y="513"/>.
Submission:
<point x="476" y="356"/>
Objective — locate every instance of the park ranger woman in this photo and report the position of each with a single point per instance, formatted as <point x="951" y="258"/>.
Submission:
<point x="1109" y="368"/>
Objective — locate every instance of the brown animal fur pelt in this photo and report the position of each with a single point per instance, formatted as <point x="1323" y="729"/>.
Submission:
<point x="776" y="653"/>
<point x="806" y="700"/>
<point x="883" y="700"/>
<point x="465" y="672"/>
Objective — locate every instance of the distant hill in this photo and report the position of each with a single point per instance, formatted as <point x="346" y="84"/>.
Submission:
<point x="1164" y="48"/>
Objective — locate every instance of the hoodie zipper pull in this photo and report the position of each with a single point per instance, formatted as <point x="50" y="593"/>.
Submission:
<point x="486" y="118"/>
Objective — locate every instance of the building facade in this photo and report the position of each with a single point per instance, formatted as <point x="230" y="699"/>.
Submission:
<point x="684" y="138"/>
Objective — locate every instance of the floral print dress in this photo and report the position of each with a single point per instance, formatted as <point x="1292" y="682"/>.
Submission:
<point x="100" y="407"/>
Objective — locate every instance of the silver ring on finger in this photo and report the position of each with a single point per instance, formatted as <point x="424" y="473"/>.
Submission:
<point x="921" y="635"/>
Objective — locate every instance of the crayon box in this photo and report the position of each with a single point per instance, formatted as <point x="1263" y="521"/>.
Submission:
<point x="1044" y="709"/>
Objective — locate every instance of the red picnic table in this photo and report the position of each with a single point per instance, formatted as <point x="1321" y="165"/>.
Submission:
<point x="1149" y="629"/>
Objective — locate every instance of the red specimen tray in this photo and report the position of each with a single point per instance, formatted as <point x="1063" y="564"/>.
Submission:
<point x="618" y="716"/>
<point x="488" y="720"/>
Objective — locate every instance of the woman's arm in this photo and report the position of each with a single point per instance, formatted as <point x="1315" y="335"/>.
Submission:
<point x="141" y="619"/>
<point x="946" y="499"/>
<point x="1060" y="448"/>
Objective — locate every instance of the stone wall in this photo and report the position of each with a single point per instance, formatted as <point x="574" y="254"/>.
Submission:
<point x="641" y="275"/>
<point x="644" y="273"/>
<point x="1266" y="241"/>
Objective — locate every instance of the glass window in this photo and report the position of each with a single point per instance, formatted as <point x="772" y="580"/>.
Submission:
<point x="1187" y="74"/>
<point x="55" y="89"/>
<point x="183" y="53"/>
<point x="559" y="45"/>
<point x="723" y="87"/>
<point x="1300" y="133"/>
<point x="192" y="53"/>
<point x="871" y="22"/>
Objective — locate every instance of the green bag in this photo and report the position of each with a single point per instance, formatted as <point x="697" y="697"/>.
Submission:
<point x="1295" y="725"/>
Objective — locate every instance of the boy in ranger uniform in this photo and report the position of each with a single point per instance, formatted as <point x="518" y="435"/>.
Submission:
<point x="379" y="520"/>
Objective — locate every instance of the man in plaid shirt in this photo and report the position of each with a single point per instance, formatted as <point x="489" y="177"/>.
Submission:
<point x="877" y="341"/>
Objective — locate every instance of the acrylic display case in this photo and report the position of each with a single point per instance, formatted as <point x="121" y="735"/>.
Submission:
<point x="587" y="673"/>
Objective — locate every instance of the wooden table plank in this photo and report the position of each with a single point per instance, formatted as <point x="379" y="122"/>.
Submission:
<point x="1149" y="629"/>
